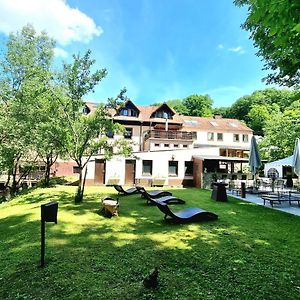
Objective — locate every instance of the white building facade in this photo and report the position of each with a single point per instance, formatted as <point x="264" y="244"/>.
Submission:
<point x="172" y="149"/>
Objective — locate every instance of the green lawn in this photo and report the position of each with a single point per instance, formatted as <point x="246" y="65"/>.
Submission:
<point x="251" y="252"/>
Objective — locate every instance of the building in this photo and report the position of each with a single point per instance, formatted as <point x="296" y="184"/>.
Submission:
<point x="172" y="149"/>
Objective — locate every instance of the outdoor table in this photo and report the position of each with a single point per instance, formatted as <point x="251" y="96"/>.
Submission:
<point x="111" y="206"/>
<point x="219" y="191"/>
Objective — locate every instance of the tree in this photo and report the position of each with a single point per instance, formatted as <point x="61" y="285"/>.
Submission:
<point x="281" y="131"/>
<point x="198" y="105"/>
<point x="275" y="30"/>
<point x="269" y="98"/>
<point x="25" y="72"/>
<point x="259" y="115"/>
<point x="85" y="135"/>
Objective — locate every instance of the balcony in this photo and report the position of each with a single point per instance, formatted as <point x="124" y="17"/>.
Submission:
<point x="170" y="135"/>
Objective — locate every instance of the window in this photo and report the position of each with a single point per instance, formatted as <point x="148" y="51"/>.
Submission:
<point x="76" y="170"/>
<point x="166" y="145"/>
<point x="236" y="137"/>
<point x="128" y="112"/>
<point x="220" y="136"/>
<point x="128" y="133"/>
<point x="184" y="146"/>
<point x="213" y="123"/>
<point x="245" y="138"/>
<point x="162" y="114"/>
<point x="173" y="168"/>
<point x="191" y="122"/>
<point x="272" y="173"/>
<point x="147" y="167"/>
<point x="110" y="134"/>
<point x="188" y="168"/>
<point x="232" y="124"/>
<point x="156" y="145"/>
<point x="210" y="136"/>
<point x="176" y="145"/>
<point x="124" y="112"/>
<point x="86" y="110"/>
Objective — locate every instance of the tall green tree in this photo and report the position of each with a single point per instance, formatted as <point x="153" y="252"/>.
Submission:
<point x="275" y="29"/>
<point x="85" y="135"/>
<point x="267" y="99"/>
<point x="281" y="131"/>
<point x="25" y="72"/>
<point x="198" y="105"/>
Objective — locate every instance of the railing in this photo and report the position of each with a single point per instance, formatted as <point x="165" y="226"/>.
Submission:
<point x="170" y="135"/>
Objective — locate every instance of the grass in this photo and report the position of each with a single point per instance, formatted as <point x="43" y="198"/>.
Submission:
<point x="251" y="252"/>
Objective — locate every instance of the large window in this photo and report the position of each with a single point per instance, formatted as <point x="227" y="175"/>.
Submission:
<point x="236" y="137"/>
<point x="245" y="138"/>
<point x="188" y="168"/>
<point x="173" y="168"/>
<point x="220" y="136"/>
<point x="147" y="167"/>
<point x="210" y="136"/>
<point x="128" y="133"/>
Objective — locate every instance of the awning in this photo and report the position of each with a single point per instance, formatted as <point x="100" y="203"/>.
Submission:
<point x="222" y="158"/>
<point x="288" y="161"/>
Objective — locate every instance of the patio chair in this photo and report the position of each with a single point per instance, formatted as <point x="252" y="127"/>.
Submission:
<point x="121" y="191"/>
<point x="153" y="194"/>
<point x="163" y="199"/>
<point x="192" y="214"/>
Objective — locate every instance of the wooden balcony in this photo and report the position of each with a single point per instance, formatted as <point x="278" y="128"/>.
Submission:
<point x="170" y="135"/>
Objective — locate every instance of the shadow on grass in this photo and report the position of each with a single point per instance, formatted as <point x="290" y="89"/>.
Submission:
<point x="94" y="257"/>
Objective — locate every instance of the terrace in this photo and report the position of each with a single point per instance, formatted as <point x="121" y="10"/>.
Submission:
<point x="170" y="135"/>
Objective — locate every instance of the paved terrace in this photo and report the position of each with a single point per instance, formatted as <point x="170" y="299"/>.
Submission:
<point x="284" y="206"/>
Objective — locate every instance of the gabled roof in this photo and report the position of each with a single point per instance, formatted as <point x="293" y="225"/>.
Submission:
<point x="125" y="105"/>
<point x="189" y="123"/>
<point x="91" y="106"/>
<point x="173" y="112"/>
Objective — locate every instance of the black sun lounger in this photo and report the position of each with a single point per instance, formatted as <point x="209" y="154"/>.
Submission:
<point x="164" y="199"/>
<point x="153" y="194"/>
<point x="192" y="214"/>
<point x="121" y="191"/>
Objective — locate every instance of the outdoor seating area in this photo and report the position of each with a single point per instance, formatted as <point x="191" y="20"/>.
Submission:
<point x="280" y="197"/>
<point x="161" y="199"/>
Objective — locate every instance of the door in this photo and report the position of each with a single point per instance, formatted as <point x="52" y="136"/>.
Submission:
<point x="129" y="172"/>
<point x="99" y="171"/>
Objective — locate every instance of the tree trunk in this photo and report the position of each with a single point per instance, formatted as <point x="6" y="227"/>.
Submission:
<point x="14" y="187"/>
<point x="79" y="194"/>
<point x="47" y="172"/>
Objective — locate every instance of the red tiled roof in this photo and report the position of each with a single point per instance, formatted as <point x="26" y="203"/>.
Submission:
<point x="189" y="123"/>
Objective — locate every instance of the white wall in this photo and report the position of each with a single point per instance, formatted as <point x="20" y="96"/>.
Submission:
<point x="227" y="139"/>
<point x="160" y="165"/>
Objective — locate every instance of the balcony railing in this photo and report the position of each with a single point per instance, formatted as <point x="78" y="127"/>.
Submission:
<point x="171" y="135"/>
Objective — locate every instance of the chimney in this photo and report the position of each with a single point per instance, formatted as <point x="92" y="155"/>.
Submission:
<point x="217" y="116"/>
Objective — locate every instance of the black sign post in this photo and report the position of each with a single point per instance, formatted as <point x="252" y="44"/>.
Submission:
<point x="48" y="214"/>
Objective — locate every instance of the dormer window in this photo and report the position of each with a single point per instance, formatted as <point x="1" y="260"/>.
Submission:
<point x="86" y="110"/>
<point x="129" y="110"/>
<point x="162" y="114"/>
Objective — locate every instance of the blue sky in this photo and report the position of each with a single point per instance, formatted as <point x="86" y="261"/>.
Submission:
<point x="157" y="49"/>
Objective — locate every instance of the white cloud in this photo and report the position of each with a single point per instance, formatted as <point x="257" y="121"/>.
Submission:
<point x="59" y="52"/>
<point x="62" y="22"/>
<point x="238" y="49"/>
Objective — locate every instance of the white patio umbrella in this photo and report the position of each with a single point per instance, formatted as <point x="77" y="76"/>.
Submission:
<point x="254" y="159"/>
<point x="296" y="158"/>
